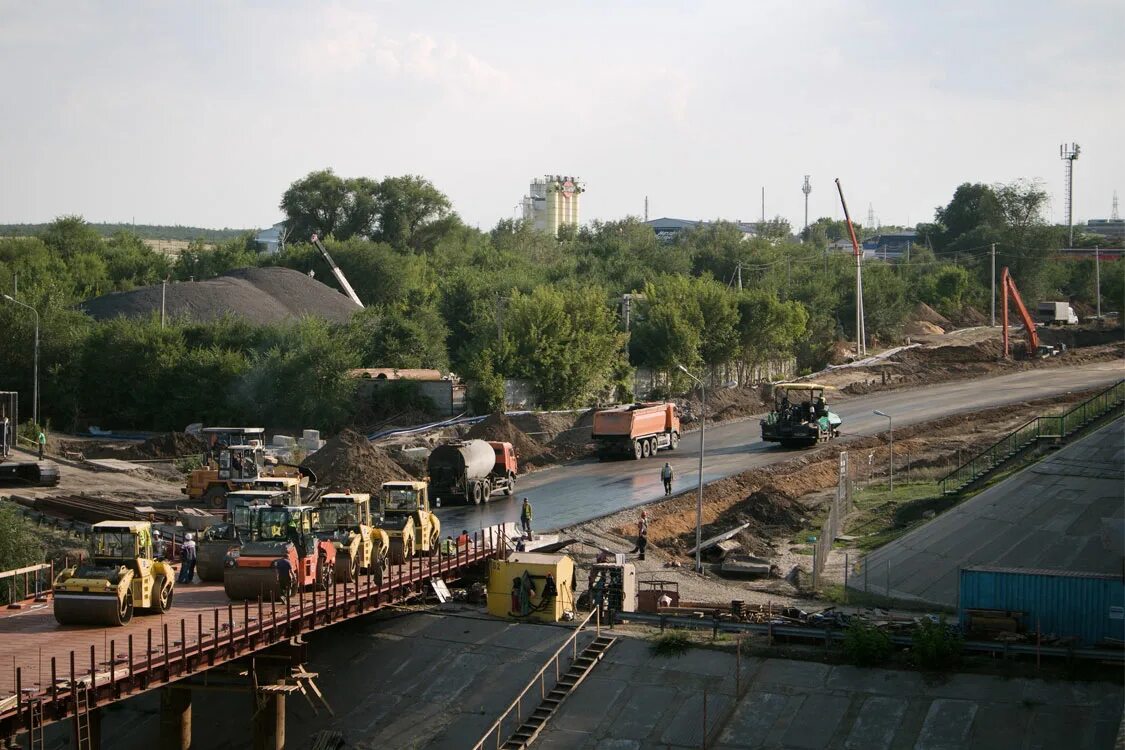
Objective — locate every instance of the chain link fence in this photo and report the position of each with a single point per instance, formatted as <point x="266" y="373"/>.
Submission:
<point x="841" y="507"/>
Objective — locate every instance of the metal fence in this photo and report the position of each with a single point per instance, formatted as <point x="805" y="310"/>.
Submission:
<point x="1024" y="437"/>
<point x="841" y="506"/>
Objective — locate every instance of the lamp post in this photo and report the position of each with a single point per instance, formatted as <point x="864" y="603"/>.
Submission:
<point x="891" y="432"/>
<point x="35" y="392"/>
<point x="699" y="497"/>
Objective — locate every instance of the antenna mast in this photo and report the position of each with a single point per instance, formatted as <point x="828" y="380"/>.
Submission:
<point x="1069" y="154"/>
<point x="807" y="188"/>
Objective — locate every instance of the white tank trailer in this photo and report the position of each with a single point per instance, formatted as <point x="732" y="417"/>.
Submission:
<point x="471" y="470"/>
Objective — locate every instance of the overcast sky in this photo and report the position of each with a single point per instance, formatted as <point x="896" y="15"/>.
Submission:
<point x="202" y="113"/>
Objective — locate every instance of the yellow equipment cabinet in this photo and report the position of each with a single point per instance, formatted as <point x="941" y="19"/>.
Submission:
<point x="531" y="586"/>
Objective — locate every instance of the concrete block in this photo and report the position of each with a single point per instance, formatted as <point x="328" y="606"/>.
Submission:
<point x="947" y="725"/>
<point x="753" y="719"/>
<point x="687" y="727"/>
<point x="875" y="726"/>
<point x="793" y="674"/>
<point x="590" y="706"/>
<point x="816" y="721"/>
<point x="1000" y="727"/>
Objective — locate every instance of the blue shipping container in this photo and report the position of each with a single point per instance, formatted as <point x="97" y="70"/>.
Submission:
<point x="1087" y="606"/>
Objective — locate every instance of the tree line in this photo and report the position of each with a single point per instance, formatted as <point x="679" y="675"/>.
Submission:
<point x="509" y="302"/>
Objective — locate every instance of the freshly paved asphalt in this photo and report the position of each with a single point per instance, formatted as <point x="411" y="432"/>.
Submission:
<point x="577" y="492"/>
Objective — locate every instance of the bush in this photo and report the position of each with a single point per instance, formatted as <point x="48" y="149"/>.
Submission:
<point x="937" y="646"/>
<point x="865" y="645"/>
<point x="672" y="643"/>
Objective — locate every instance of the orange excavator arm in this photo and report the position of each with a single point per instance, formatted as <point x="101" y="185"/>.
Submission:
<point x="1008" y="289"/>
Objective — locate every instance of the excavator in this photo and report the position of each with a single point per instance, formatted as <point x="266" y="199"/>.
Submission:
<point x="1008" y="290"/>
<point x="234" y="459"/>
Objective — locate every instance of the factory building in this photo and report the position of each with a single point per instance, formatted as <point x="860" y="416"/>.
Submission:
<point x="553" y="201"/>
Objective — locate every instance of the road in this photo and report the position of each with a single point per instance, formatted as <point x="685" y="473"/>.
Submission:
<point x="565" y="495"/>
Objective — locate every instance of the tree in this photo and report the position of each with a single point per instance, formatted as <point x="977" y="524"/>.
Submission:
<point x="407" y="206"/>
<point x="315" y="204"/>
<point x="769" y="329"/>
<point x="408" y="336"/>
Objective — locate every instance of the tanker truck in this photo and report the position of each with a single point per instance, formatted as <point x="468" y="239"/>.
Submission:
<point x="637" y="430"/>
<point x="471" y="470"/>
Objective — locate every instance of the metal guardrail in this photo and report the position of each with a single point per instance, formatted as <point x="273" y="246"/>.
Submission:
<point x="177" y="653"/>
<point x="1058" y="427"/>
<point x="826" y="636"/>
<point x="540" y="679"/>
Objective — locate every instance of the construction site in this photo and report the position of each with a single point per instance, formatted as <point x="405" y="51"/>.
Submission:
<point x="385" y="590"/>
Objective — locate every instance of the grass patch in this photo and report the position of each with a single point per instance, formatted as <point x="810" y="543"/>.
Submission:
<point x="672" y="643"/>
<point x="881" y="516"/>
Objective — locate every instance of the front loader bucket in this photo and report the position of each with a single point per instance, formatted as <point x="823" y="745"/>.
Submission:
<point x="92" y="609"/>
<point x="252" y="583"/>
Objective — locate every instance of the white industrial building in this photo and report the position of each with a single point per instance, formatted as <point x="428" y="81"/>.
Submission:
<point x="553" y="201"/>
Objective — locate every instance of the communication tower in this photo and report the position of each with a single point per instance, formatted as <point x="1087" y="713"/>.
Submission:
<point x="1115" y="215"/>
<point x="1069" y="154"/>
<point x="806" y="189"/>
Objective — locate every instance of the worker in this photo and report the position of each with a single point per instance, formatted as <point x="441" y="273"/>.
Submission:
<point x="642" y="535"/>
<point x="463" y="539"/>
<point x="821" y="407"/>
<point x="666" y="475"/>
<point x="525" y="518"/>
<point x="42" y="444"/>
<point x="4" y="436"/>
<point x="157" y="545"/>
<point x="187" y="559"/>
<point x="448" y="547"/>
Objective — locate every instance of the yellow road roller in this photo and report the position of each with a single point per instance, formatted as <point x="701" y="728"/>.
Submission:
<point x="406" y="517"/>
<point x="345" y="521"/>
<point x="119" y="577"/>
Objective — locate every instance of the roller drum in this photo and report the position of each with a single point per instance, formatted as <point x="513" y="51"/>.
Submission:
<point x="251" y="583"/>
<point x="346" y="567"/>
<point x="93" y="609"/>
<point x="210" y="561"/>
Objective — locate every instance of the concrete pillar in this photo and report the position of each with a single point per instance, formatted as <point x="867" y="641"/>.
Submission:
<point x="264" y="724"/>
<point x="175" y="718"/>
<point x="279" y="719"/>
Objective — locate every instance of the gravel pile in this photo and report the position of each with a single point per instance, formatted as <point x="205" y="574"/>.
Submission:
<point x="497" y="427"/>
<point x="259" y="295"/>
<point x="349" y="462"/>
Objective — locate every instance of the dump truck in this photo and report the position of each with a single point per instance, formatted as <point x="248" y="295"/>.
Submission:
<point x="637" y="430"/>
<point x="472" y="470"/>
<point x="235" y="459"/>
<point x="284" y="556"/>
<point x="119" y="577"/>
<point x="1056" y="314"/>
<point x="221" y="542"/>
<point x="404" y="513"/>
<point x="800" y="417"/>
<point x="345" y="521"/>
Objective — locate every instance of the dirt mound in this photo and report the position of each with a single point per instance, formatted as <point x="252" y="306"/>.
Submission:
<point x="969" y="316"/>
<point x="921" y="328"/>
<point x="170" y="445"/>
<point x="923" y="313"/>
<point x="723" y="404"/>
<point x="841" y="352"/>
<point x="349" y="462"/>
<point x="260" y="295"/>
<point x="497" y="427"/>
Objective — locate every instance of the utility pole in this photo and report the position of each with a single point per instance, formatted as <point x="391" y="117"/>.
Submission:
<point x="739" y="270"/>
<point x="860" y="333"/>
<point x="646" y="208"/>
<point x="1069" y="154"/>
<point x="763" y="205"/>
<point x="500" y="302"/>
<point x="993" y="317"/>
<point x="1098" y="280"/>
<point x="806" y="189"/>
<point x="163" y="294"/>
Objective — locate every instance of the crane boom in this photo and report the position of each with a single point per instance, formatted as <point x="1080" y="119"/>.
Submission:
<point x="337" y="272"/>
<point x="1008" y="289"/>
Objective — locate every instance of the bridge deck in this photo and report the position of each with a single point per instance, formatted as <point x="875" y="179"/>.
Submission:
<point x="41" y="660"/>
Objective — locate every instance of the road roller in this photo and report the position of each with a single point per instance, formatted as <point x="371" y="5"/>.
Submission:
<point x="345" y="521"/>
<point x="119" y="577"/>
<point x="283" y="556"/>
<point x="406" y="517"/>
<point x="223" y="540"/>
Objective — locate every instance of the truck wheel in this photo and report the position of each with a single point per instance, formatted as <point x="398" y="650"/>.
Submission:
<point x="655" y="446"/>
<point x="511" y="485"/>
<point x="215" y="497"/>
<point x="476" y="493"/>
<point x="638" y="450"/>
<point x="646" y="448"/>
<point x="486" y="490"/>
<point x="324" y="574"/>
<point x="675" y="441"/>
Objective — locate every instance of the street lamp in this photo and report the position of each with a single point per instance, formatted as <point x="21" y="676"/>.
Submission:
<point x="699" y="499"/>
<point x="35" y="393"/>
<point x="891" y="432"/>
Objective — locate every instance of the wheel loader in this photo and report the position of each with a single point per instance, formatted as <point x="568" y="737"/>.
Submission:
<point x="120" y="577"/>
<point x="406" y="517"/>
<point x="234" y="460"/>
<point x="283" y="556"/>
<point x="345" y="520"/>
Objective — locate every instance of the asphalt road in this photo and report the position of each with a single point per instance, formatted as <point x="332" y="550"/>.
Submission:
<point x="577" y="492"/>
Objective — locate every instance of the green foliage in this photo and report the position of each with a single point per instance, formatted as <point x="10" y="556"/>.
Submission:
<point x="408" y="336"/>
<point x="200" y="262"/>
<point x="18" y="546"/>
<point x="937" y="647"/>
<point x="866" y="645"/>
<point x="671" y="643"/>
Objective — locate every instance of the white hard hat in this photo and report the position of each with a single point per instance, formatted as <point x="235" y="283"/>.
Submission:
<point x="189" y="536"/>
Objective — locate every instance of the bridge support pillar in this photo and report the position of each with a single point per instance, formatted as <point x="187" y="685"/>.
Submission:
<point x="175" y="718"/>
<point x="268" y="724"/>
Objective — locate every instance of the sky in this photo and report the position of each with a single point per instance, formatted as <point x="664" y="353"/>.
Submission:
<point x="202" y="113"/>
